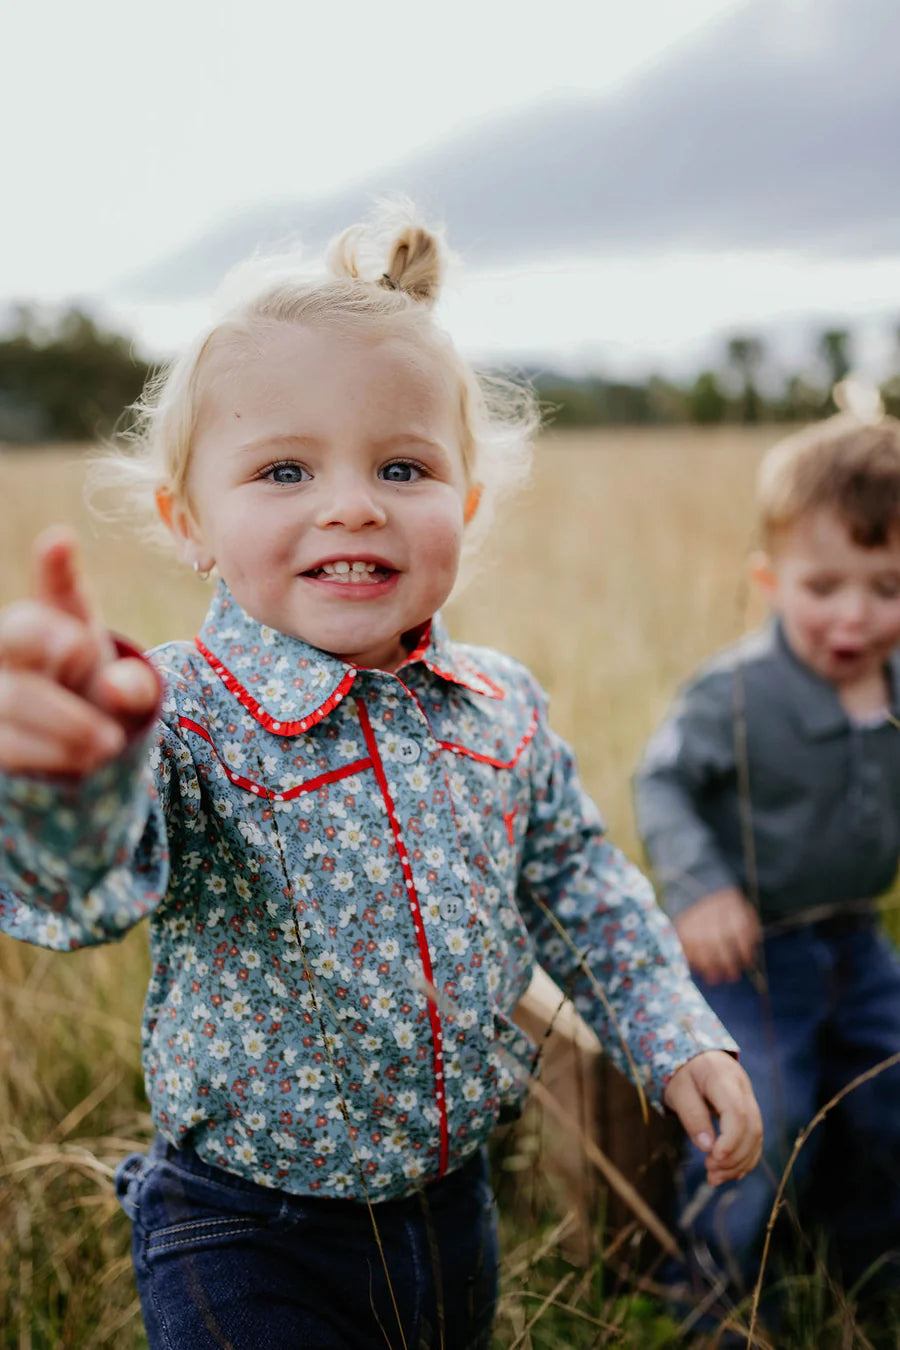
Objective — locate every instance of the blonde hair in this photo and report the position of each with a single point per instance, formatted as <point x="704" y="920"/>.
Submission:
<point x="848" y="464"/>
<point x="382" y="276"/>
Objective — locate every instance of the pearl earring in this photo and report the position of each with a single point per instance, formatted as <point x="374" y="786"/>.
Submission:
<point x="203" y="574"/>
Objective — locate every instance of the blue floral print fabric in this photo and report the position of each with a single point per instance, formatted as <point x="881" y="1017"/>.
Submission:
<point x="348" y="875"/>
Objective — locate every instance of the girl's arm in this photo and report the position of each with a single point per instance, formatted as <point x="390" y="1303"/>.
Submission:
<point x="600" y="935"/>
<point x="76" y="803"/>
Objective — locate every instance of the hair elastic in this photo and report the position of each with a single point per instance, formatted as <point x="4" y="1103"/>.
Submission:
<point x="389" y="281"/>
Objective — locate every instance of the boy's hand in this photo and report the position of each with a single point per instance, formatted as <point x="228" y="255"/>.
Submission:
<point x="715" y="1080"/>
<point x="719" y="935"/>
<point x="66" y="699"/>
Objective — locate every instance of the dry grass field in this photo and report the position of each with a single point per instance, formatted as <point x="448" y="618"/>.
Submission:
<point x="621" y="568"/>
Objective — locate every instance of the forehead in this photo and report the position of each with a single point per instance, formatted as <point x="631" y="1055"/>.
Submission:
<point x="323" y="375"/>
<point x="820" y="539"/>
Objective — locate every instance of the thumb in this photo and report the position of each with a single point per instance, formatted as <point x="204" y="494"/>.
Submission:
<point x="685" y="1099"/>
<point x="130" y="689"/>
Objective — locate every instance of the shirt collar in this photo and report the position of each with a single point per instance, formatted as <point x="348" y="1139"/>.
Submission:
<point x="288" y="685"/>
<point x="816" y="700"/>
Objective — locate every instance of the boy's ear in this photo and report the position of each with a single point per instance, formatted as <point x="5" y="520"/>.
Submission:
<point x="177" y="517"/>
<point x="763" y="573"/>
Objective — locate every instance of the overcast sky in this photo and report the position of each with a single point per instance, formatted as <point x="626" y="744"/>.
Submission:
<point x="624" y="181"/>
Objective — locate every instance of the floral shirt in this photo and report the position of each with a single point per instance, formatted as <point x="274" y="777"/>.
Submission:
<point x="348" y="874"/>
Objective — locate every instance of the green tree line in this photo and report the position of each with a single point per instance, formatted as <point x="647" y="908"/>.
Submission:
<point x="741" y="390"/>
<point x="68" y="378"/>
<point x="64" y="378"/>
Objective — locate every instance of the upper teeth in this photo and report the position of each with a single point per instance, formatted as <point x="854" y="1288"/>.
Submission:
<point x="341" y="568"/>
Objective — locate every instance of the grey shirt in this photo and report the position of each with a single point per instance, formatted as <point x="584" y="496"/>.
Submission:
<point x="820" y="824"/>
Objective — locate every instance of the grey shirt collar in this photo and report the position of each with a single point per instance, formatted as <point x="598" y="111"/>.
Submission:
<point x="819" y="709"/>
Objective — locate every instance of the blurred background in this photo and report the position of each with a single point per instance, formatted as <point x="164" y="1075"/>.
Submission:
<point x="680" y="222"/>
<point x="665" y="212"/>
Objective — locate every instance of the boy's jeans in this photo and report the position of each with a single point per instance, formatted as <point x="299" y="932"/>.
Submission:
<point x="223" y="1264"/>
<point x="826" y="1009"/>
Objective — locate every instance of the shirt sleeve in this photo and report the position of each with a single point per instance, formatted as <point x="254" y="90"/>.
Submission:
<point x="598" y="931"/>
<point x="83" y="860"/>
<point x="691" y="751"/>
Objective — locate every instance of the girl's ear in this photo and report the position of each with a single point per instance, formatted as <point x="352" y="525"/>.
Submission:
<point x="763" y="573"/>
<point x="177" y="517"/>
<point x="473" y="498"/>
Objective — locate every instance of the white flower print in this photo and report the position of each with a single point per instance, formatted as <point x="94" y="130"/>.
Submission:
<point x="236" y="1007"/>
<point x="256" y="1120"/>
<point x="276" y="986"/>
<point x="383" y="1001"/>
<point x="254" y="1044"/>
<point x="376" y="870"/>
<point x="310" y="1076"/>
<point x="325" y="964"/>
<point x="457" y="941"/>
<point x="404" y="1035"/>
<point x="252" y="833"/>
<point x="352" y="836"/>
<point x="220" y="1049"/>
<point x="233" y="754"/>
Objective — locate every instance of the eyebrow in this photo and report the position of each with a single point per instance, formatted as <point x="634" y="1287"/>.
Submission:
<point x="286" y="439"/>
<point x="383" y="443"/>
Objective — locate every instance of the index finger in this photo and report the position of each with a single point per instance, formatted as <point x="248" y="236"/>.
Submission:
<point x="740" y="1125"/>
<point x="57" y="576"/>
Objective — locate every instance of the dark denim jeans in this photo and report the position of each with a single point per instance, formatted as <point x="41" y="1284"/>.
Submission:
<point x="223" y="1264"/>
<point x="828" y="1009"/>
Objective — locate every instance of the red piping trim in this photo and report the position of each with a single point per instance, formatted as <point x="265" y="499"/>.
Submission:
<point x="248" y="785"/>
<point x="492" y="691"/>
<point x="418" y="654"/>
<point x="234" y="686"/>
<point x="419" y="928"/>
<point x="488" y="759"/>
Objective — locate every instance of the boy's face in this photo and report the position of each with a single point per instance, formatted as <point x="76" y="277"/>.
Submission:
<point x="839" y="602"/>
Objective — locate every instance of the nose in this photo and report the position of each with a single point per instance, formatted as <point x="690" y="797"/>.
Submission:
<point x="350" y="501"/>
<point x="854" y="607"/>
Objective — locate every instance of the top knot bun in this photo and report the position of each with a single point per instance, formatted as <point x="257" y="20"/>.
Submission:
<point x="395" y="251"/>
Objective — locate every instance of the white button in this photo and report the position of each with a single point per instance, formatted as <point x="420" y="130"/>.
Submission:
<point x="407" y="752"/>
<point x="451" y="908"/>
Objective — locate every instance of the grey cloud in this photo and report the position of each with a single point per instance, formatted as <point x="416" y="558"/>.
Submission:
<point x="778" y="128"/>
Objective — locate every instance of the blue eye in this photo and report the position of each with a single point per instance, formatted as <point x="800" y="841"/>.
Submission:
<point x="287" y="473"/>
<point x="401" y="471"/>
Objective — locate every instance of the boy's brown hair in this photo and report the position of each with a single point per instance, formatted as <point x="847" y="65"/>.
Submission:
<point x="844" y="465"/>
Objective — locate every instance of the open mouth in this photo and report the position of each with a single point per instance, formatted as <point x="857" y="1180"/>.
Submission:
<point x="346" y="573"/>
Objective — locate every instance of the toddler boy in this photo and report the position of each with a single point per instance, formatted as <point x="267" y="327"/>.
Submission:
<point x="769" y="804"/>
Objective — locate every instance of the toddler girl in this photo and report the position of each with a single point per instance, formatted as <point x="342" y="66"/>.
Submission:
<point x="351" y="835"/>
